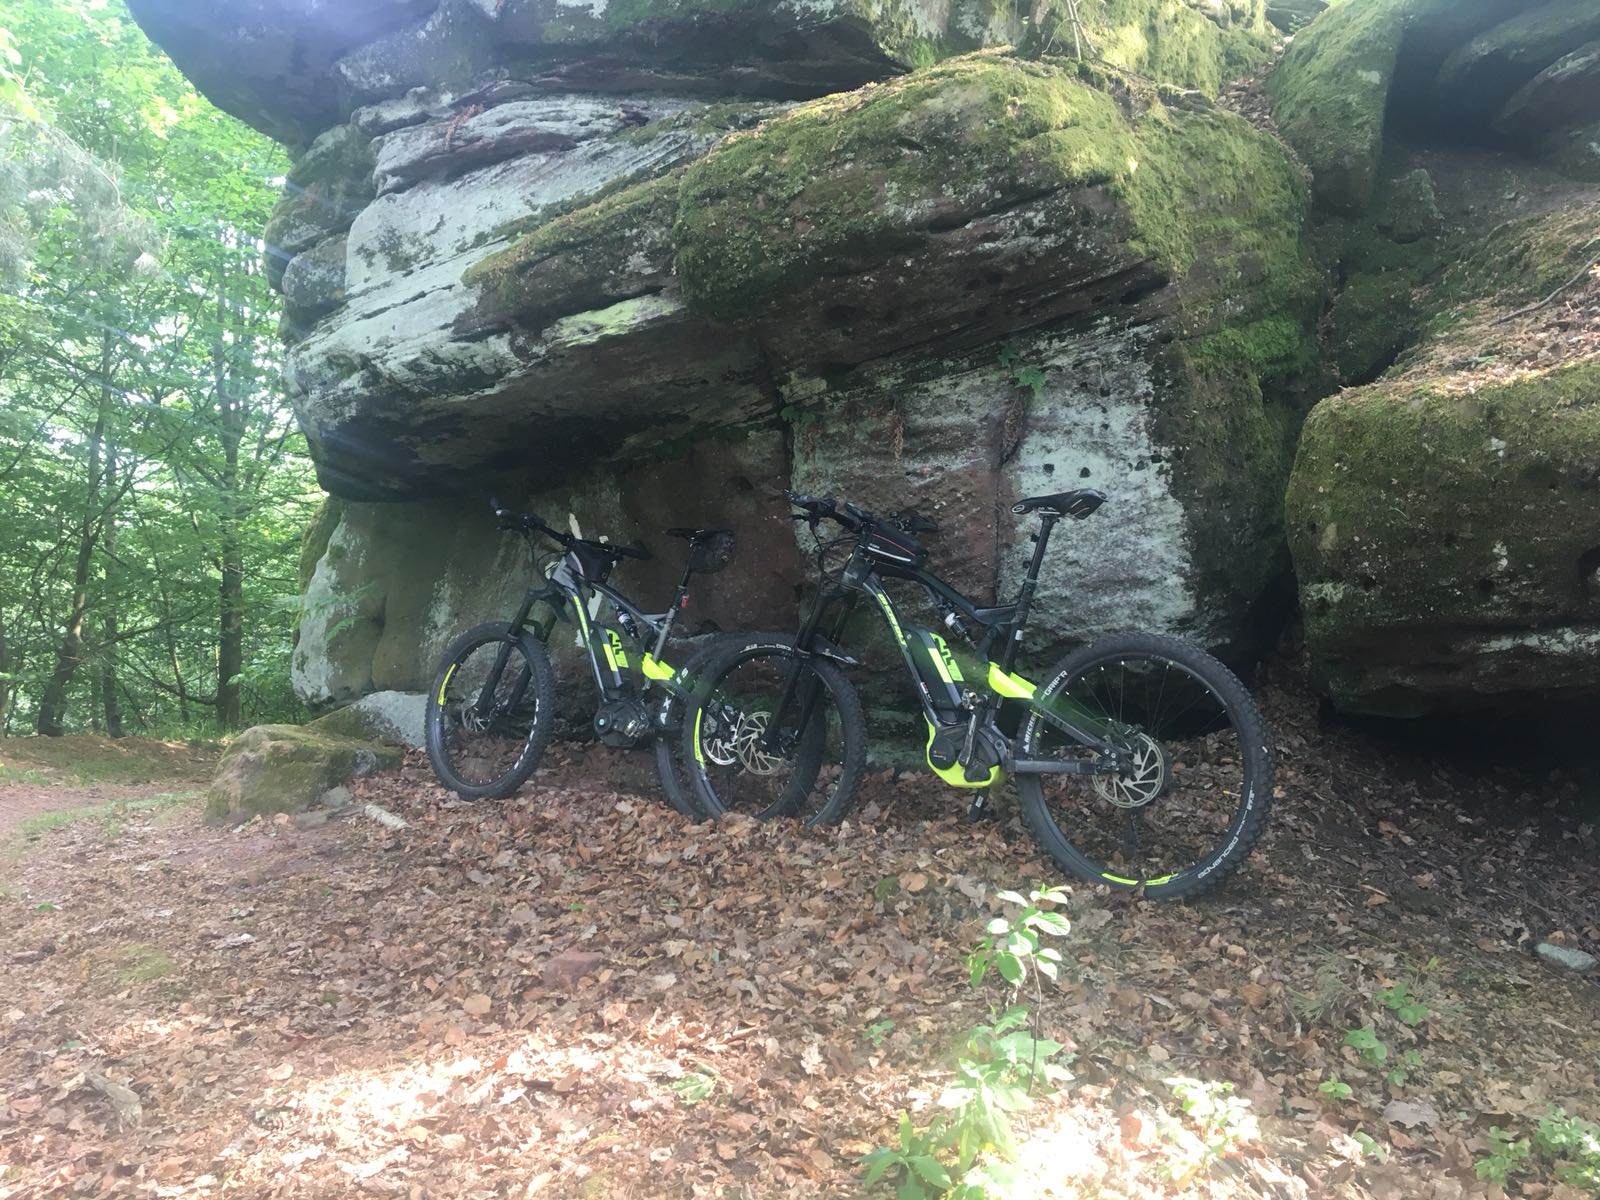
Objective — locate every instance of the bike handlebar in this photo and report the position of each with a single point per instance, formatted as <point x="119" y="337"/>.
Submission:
<point x="533" y="523"/>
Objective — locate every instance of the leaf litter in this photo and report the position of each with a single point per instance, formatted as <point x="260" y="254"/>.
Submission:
<point x="577" y="993"/>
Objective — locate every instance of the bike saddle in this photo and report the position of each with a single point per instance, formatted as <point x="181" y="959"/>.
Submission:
<point x="696" y="535"/>
<point x="1080" y="504"/>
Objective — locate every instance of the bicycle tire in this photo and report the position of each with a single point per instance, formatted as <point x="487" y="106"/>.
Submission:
<point x="529" y="746"/>
<point x="851" y="730"/>
<point x="1254" y="801"/>
<point x="675" y="783"/>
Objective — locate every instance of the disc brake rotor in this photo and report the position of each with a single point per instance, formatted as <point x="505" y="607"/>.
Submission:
<point x="748" y="735"/>
<point x="1147" y="776"/>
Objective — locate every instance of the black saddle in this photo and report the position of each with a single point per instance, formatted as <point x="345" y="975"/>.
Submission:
<point x="1080" y="504"/>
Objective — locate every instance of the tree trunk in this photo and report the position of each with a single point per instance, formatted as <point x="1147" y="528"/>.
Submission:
<point x="53" y="702"/>
<point x="230" y="639"/>
<point x="6" y="686"/>
<point x="110" y="695"/>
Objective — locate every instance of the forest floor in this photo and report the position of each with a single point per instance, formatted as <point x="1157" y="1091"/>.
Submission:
<point x="48" y="781"/>
<point x="577" y="993"/>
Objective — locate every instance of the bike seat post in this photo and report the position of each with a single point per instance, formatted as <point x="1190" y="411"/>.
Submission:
<point x="679" y="598"/>
<point x="1041" y="541"/>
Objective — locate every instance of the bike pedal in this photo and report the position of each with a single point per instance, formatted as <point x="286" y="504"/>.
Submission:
<point x="980" y="810"/>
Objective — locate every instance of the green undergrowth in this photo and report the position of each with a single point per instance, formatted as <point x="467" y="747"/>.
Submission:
<point x="112" y="815"/>
<point x="79" y="759"/>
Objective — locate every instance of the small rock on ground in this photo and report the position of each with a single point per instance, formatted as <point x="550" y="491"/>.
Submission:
<point x="1565" y="956"/>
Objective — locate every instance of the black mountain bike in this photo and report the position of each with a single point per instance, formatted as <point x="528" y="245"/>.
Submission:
<point x="1141" y="762"/>
<point x="491" y="708"/>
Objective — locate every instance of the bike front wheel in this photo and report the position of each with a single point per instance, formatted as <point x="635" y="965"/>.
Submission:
<point x="490" y="711"/>
<point x="1194" y="788"/>
<point x="676" y="785"/>
<point x="773" y="732"/>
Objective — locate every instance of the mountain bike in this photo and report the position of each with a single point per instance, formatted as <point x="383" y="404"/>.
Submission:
<point x="491" y="707"/>
<point x="1141" y="762"/>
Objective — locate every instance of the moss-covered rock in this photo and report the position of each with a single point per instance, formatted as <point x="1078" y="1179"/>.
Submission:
<point x="1446" y="535"/>
<point x="853" y="180"/>
<point x="395" y="718"/>
<point x="1477" y="78"/>
<point x="286" y="768"/>
<point x="1330" y="95"/>
<point x="1196" y="44"/>
<point x="1465" y="69"/>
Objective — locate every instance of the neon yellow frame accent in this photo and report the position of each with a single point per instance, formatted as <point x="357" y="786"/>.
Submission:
<point x="945" y="662"/>
<point x="656" y="670"/>
<point x="1110" y="878"/>
<point x="699" y="754"/>
<point x="955" y="775"/>
<point x="888" y="612"/>
<point x="615" y="655"/>
<point x="445" y="682"/>
<point x="1012" y="687"/>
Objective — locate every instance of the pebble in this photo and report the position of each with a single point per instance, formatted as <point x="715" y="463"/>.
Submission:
<point x="1565" y="956"/>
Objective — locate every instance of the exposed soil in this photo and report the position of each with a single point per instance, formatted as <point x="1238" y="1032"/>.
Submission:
<point x="53" y="775"/>
<point x="577" y="993"/>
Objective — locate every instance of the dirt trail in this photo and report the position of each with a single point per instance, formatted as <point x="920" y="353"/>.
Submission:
<point x="577" y="994"/>
<point x="55" y="775"/>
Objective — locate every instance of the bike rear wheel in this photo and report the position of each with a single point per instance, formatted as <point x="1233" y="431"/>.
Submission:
<point x="1196" y="789"/>
<point x="772" y="732"/>
<point x="490" y="711"/>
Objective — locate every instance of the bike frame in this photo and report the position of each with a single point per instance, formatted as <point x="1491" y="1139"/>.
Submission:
<point x="568" y="592"/>
<point x="946" y="699"/>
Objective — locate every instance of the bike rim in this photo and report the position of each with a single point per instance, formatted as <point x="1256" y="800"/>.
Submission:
<point x="487" y="723"/>
<point x="1184" y="787"/>
<point x="756" y="762"/>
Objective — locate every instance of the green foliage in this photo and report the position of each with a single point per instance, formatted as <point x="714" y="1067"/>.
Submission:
<point x="695" y="1087"/>
<point x="877" y="1032"/>
<point x="1506" y="1154"/>
<point x="964" y="1154"/>
<point x="1573" y="1144"/>
<point x="1334" y="1088"/>
<point x="1370" y="1146"/>
<point x="1399" y="1000"/>
<point x="1365" y="1041"/>
<point x="1216" y="1122"/>
<point x="155" y="484"/>
<point x="1410" y="1064"/>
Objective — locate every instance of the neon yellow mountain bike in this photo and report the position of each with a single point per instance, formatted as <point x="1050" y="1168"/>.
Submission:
<point x="1140" y="762"/>
<point x="491" y="708"/>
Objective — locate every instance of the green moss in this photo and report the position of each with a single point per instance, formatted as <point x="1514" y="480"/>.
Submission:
<point x="580" y="260"/>
<point x="1278" y="350"/>
<point x="1183" y="44"/>
<point x="1330" y="93"/>
<point x="285" y="768"/>
<point x="844" y="178"/>
<point x="139" y="962"/>
<point x="1232" y="452"/>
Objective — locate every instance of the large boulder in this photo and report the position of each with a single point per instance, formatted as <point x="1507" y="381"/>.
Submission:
<point x="1468" y="70"/>
<point x="1448" y="541"/>
<point x="288" y="768"/>
<point x="1445" y="519"/>
<point x="630" y="261"/>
